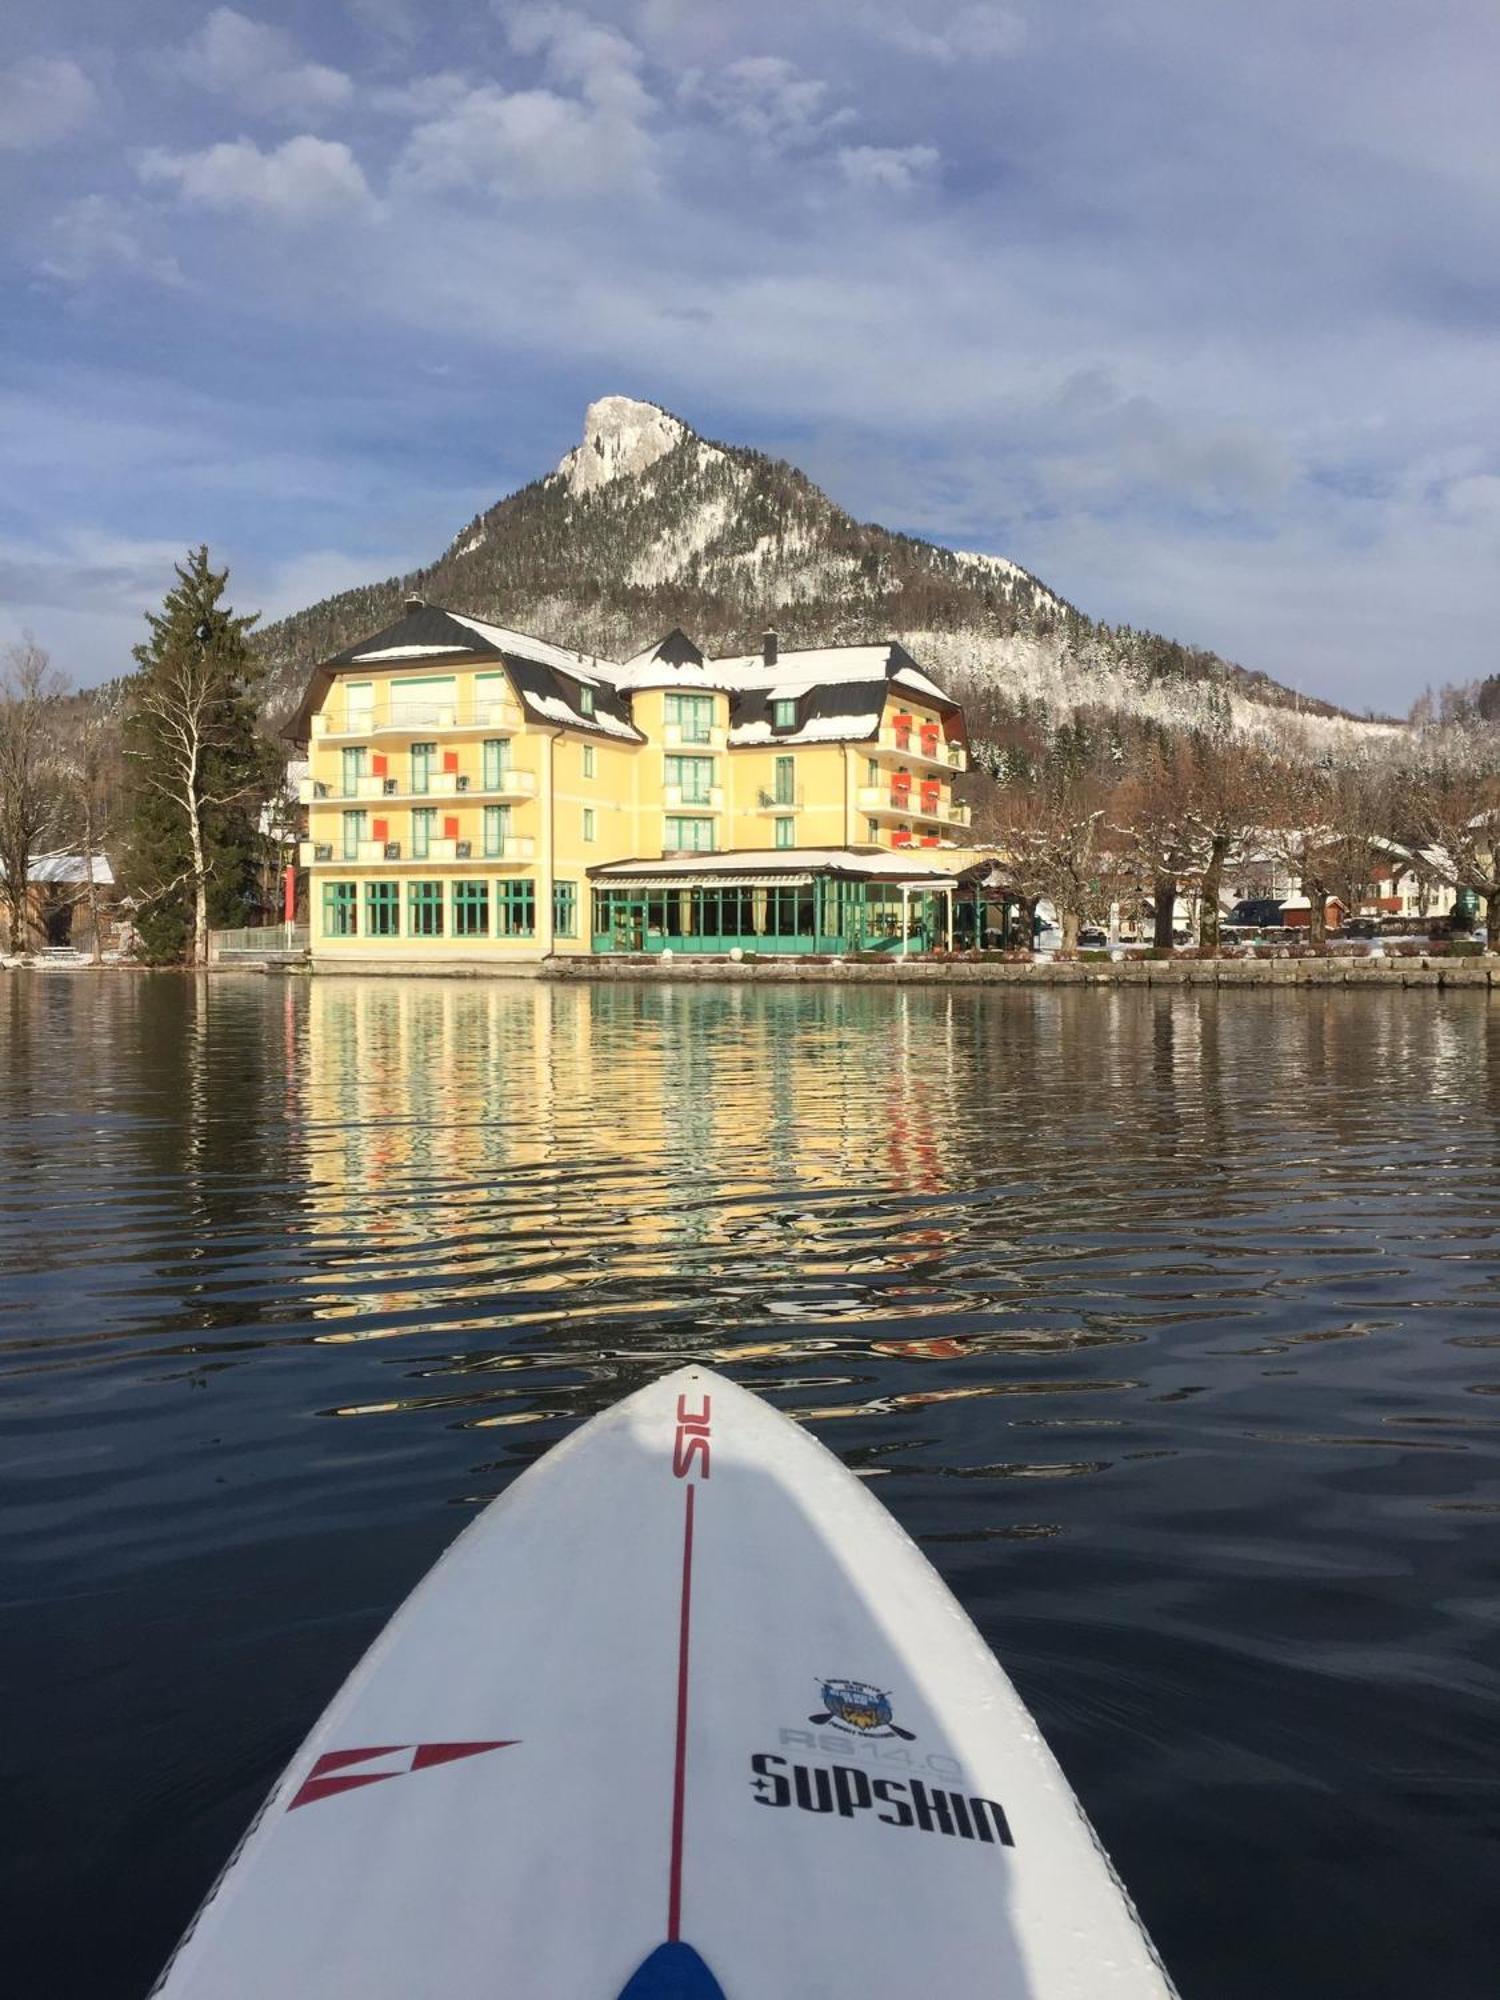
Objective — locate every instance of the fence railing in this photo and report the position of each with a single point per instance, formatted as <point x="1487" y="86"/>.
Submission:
<point x="260" y="942"/>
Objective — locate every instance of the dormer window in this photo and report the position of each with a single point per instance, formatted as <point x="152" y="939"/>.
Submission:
<point x="783" y="715"/>
<point x="586" y="700"/>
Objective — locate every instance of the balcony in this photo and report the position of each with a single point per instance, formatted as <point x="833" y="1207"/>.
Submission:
<point x="417" y="718"/>
<point x="676" y="799"/>
<point x="931" y="753"/>
<point x="389" y="853"/>
<point x="510" y="785"/>
<point x="676" y="737"/>
<point x="883" y="802"/>
<point x="773" y="802"/>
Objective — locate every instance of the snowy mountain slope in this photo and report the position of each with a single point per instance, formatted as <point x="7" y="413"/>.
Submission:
<point x="645" y="525"/>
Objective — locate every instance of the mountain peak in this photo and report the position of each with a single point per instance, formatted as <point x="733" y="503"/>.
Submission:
<point x="621" y="437"/>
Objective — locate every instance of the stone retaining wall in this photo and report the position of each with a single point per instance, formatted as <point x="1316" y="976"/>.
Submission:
<point x="1380" y="972"/>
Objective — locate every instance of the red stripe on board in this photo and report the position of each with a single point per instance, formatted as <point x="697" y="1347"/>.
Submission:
<point x="679" y="1772"/>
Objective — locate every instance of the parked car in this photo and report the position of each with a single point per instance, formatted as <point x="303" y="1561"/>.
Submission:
<point x="1091" y="938"/>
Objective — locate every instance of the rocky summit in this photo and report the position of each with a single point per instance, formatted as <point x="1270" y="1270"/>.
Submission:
<point x="645" y="525"/>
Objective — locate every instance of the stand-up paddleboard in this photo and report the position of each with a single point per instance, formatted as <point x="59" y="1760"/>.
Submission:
<point x="683" y="1715"/>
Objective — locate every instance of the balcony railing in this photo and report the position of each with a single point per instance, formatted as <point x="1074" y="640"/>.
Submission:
<point x="678" y="799"/>
<point x="936" y="753"/>
<point x="412" y="718"/>
<point x="511" y="784"/>
<point x="330" y="853"/>
<point x="677" y="736"/>
<point x="775" y="802"/>
<point x="891" y="802"/>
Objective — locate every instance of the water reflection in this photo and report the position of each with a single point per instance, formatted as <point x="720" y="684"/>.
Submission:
<point x="1165" y="1320"/>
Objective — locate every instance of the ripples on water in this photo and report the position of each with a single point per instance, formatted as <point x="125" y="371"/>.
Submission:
<point x="1166" y="1322"/>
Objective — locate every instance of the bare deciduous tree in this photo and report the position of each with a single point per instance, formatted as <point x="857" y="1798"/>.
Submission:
<point x="29" y="797"/>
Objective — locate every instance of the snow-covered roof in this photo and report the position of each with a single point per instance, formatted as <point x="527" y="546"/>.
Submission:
<point x="68" y="868"/>
<point x="817" y="729"/>
<point x="582" y="666"/>
<point x="781" y="863"/>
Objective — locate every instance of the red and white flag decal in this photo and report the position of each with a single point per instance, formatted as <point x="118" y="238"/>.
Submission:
<point x="332" y="1772"/>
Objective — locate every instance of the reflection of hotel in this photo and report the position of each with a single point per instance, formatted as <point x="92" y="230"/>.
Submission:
<point x="478" y="795"/>
<point x="597" y="1148"/>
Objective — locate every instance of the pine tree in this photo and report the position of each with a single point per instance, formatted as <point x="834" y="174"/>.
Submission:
<point x="198" y="769"/>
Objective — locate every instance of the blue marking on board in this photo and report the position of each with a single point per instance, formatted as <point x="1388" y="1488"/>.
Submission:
<point x="673" y="1972"/>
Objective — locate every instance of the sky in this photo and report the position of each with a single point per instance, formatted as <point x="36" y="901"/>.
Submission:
<point x="1192" y="309"/>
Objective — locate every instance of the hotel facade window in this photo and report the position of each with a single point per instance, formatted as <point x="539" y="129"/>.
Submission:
<point x="421" y="831"/>
<point x="786" y="781"/>
<point x="422" y="755"/>
<point x="352" y="769"/>
<point x="354" y="833"/>
<point x="496" y="831"/>
<point x="565" y="909"/>
<point x="694" y="835"/>
<point x="783" y="715"/>
<point x="471" y="909"/>
<point x="693" y="714"/>
<point x="340" y="909"/>
<point x="588" y="822"/>
<point x="383" y="909"/>
<point x="515" y="909"/>
<point x="588" y="760"/>
<point x="496" y="762"/>
<point x="426" y="905"/>
<point x="586" y="700"/>
<point x="786" y="833"/>
<point x="694" y="776"/>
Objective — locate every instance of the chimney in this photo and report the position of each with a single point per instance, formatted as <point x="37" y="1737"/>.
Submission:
<point x="768" y="648"/>
<point x="416" y="602"/>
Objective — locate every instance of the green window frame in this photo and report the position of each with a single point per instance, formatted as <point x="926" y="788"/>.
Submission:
<point x="786" y="781"/>
<point x="352" y="770"/>
<point x="565" y="909"/>
<point x="693" y="714"/>
<point x="872" y="828"/>
<point x="471" y="909"/>
<point x="383" y="909"/>
<point x="496" y="762"/>
<point x="585" y="700"/>
<point x="693" y="776"/>
<point x="515" y="909"/>
<point x="694" y="836"/>
<point x="422" y="758"/>
<point x="340" y="909"/>
<point x="354" y="833"/>
<point x="588" y="822"/>
<point x="496" y="831"/>
<point x="872" y="770"/>
<point x="786" y="832"/>
<point x="425" y="909"/>
<point x="783" y="715"/>
<point x="422" y="818"/>
<point x="588" y="760"/>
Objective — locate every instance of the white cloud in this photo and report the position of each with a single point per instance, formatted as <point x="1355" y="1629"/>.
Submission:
<point x="585" y="130"/>
<point x="301" y="180"/>
<point x="578" y="53"/>
<point x="43" y="99"/>
<point x="766" y="98"/>
<point x="261" y="68"/>
<point x="895" y="169"/>
<point x="98" y="236"/>
<point x="980" y="33"/>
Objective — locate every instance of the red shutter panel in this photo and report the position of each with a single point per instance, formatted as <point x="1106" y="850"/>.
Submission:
<point x="450" y="827"/>
<point x="450" y="760"/>
<point x="382" y="830"/>
<point x="378" y="764"/>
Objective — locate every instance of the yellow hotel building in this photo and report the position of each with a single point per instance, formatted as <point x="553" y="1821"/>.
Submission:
<point x="479" y="796"/>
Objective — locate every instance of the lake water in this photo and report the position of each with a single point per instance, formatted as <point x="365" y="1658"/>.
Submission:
<point x="1166" y="1322"/>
